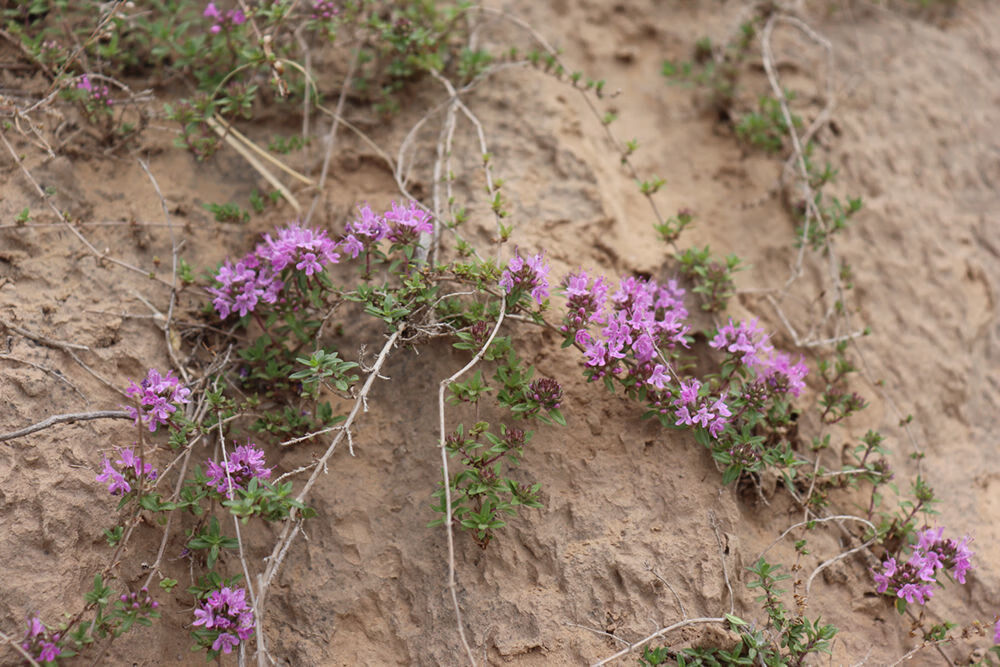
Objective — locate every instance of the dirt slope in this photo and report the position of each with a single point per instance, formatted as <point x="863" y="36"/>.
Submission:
<point x="916" y="113"/>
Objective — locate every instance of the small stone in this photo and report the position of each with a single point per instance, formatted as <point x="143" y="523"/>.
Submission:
<point x="595" y="425"/>
<point x="627" y="54"/>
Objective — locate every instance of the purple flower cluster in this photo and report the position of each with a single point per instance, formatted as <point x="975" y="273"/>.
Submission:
<point x="642" y="326"/>
<point x="782" y="376"/>
<point x="400" y="224"/>
<point x="257" y="277"/>
<point x="747" y="340"/>
<point x="99" y="94"/>
<point x="704" y="411"/>
<point x="229" y="20"/>
<point x="158" y="396"/>
<point x="585" y="299"/>
<point x="38" y="643"/>
<point x="914" y="580"/>
<point x="130" y="470"/>
<point x="526" y="275"/>
<point x="324" y="10"/>
<point x="362" y="234"/>
<point x="750" y="345"/>
<point x="243" y="286"/>
<point x="227" y="612"/>
<point x="305" y="249"/>
<point x="405" y="224"/>
<point x="547" y="393"/>
<point x="996" y="632"/>
<point x="139" y="604"/>
<point x="641" y="319"/>
<point x="245" y="463"/>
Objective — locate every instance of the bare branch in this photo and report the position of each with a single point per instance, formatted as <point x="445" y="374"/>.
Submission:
<point x="65" y="419"/>
<point x="722" y="557"/>
<point x="658" y="633"/>
<point x="292" y="526"/>
<point x="447" y="477"/>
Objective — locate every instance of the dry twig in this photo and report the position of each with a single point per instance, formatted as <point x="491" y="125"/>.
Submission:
<point x="293" y="526"/>
<point x="76" y="232"/>
<point x="655" y="635"/>
<point x="64" y="419"/>
<point x="13" y="643"/>
<point x="447" y="477"/>
<point x="722" y="556"/>
<point x="54" y="373"/>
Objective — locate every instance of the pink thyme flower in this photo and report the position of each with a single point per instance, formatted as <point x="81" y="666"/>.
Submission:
<point x="406" y="224"/>
<point x="526" y="275"/>
<point x="352" y="246"/>
<point x="692" y="409"/>
<point x="158" y="397"/>
<point x="38" y="643"/>
<point x="227" y="21"/>
<point x="659" y="377"/>
<point x="324" y="10"/>
<point x="746" y="339"/>
<point x="919" y="593"/>
<point x="595" y="350"/>
<point x="996" y="632"/>
<point x="99" y="94"/>
<point x="913" y="579"/>
<point x="305" y="249"/>
<point x="640" y="321"/>
<point x="226" y="642"/>
<point x="585" y="301"/>
<point x="35" y="627"/>
<point x="128" y="461"/>
<point x="117" y="485"/>
<point x="781" y="375"/>
<point x="245" y="463"/>
<point x="721" y="414"/>
<point x="689" y="392"/>
<point x="644" y="349"/>
<point x="226" y="612"/>
<point x="243" y="285"/>
<point x="49" y="652"/>
<point x="670" y="297"/>
<point x="130" y="470"/>
<point x="368" y="229"/>
<point x="203" y="616"/>
<point x="883" y="579"/>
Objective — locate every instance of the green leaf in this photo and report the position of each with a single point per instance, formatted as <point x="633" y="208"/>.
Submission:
<point x="735" y="620"/>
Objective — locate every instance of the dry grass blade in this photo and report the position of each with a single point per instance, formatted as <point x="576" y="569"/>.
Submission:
<point x="248" y="155"/>
<point x="249" y="143"/>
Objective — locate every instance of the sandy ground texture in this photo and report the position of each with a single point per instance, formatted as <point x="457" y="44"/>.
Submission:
<point x="627" y="505"/>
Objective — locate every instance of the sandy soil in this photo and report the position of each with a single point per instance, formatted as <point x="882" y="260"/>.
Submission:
<point x="915" y="121"/>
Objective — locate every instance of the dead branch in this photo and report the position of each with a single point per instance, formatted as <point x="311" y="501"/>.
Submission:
<point x="447" y="477"/>
<point x="64" y="419"/>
